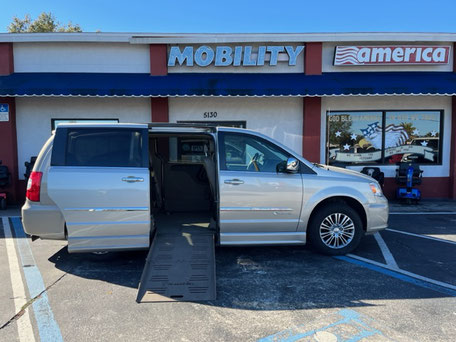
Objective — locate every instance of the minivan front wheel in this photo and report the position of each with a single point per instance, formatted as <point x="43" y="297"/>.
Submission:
<point x="335" y="229"/>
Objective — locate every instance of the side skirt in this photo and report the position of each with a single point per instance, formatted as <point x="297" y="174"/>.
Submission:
<point x="292" y="238"/>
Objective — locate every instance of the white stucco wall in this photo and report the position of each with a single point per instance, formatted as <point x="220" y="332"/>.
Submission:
<point x="281" y="67"/>
<point x="394" y="103"/>
<point x="328" y="59"/>
<point x="279" y="118"/>
<point x="33" y="118"/>
<point x="81" y="57"/>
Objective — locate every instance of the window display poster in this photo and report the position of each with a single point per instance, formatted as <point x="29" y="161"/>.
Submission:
<point x="360" y="138"/>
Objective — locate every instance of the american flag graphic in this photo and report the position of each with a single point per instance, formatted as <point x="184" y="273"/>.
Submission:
<point x="346" y="55"/>
<point x="395" y="135"/>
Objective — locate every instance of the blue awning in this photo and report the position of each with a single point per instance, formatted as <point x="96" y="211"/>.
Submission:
<point x="211" y="84"/>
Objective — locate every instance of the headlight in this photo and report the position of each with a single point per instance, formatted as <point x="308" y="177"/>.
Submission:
<point x="376" y="190"/>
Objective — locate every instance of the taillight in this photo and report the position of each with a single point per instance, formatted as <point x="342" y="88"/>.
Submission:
<point x="34" y="186"/>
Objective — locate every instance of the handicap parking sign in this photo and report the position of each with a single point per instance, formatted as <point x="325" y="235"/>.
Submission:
<point x="4" y="112"/>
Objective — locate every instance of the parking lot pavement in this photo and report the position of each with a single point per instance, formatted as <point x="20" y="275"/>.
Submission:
<point x="422" y="244"/>
<point x="263" y="293"/>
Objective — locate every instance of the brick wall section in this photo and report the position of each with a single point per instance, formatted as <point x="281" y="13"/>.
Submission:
<point x="452" y="185"/>
<point x="432" y="187"/>
<point x="159" y="109"/>
<point x="311" y="129"/>
<point x="452" y="182"/>
<point x="313" y="58"/>
<point x="158" y="60"/>
<point x="8" y="138"/>
<point x="6" y="59"/>
<point x="8" y="149"/>
<point x="312" y="106"/>
<point x="159" y="67"/>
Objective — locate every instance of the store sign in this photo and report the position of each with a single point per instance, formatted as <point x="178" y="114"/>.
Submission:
<point x="387" y="55"/>
<point x="223" y="56"/>
<point x="4" y="112"/>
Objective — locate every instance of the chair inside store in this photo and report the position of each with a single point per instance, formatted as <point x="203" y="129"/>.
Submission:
<point x="375" y="173"/>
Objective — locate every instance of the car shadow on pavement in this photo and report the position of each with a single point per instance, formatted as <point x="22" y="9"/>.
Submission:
<point x="262" y="278"/>
<point x="120" y="268"/>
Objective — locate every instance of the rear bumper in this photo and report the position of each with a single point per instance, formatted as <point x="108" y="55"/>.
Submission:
<point x="377" y="216"/>
<point x="44" y="221"/>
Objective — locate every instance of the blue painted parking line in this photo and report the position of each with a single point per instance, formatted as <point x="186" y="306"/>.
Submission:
<point x="347" y="326"/>
<point x="398" y="275"/>
<point x="48" y="328"/>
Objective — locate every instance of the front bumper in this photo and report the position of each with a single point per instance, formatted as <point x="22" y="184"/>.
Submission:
<point x="377" y="215"/>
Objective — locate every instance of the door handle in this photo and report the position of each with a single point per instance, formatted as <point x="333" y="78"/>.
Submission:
<point x="234" y="181"/>
<point x="132" y="179"/>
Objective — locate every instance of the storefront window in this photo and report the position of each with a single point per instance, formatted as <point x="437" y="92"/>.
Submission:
<point x="354" y="138"/>
<point x="383" y="137"/>
<point x="412" y="136"/>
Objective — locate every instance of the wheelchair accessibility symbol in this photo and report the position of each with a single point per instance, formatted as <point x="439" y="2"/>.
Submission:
<point x="4" y="112"/>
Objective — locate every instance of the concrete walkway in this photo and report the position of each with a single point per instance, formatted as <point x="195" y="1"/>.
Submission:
<point x="11" y="211"/>
<point x="426" y="205"/>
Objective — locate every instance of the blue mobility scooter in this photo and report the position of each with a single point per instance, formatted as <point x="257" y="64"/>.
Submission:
<point x="408" y="175"/>
<point x="5" y="179"/>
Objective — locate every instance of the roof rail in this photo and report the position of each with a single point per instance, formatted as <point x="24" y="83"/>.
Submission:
<point x="210" y="126"/>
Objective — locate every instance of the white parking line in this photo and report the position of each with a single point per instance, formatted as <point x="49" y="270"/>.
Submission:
<point x="398" y="270"/>
<point x="424" y="213"/>
<point x="390" y="261"/>
<point x="421" y="236"/>
<point x="24" y="325"/>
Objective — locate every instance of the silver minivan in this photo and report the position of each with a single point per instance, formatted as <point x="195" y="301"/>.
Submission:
<point x="106" y="187"/>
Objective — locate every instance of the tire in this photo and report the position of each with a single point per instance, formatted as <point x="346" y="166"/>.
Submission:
<point x="340" y="237"/>
<point x="2" y="203"/>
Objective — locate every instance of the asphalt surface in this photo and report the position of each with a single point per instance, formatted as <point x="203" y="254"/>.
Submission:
<point x="263" y="293"/>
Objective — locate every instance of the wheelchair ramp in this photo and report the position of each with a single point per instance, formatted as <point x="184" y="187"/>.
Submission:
<point x="180" y="265"/>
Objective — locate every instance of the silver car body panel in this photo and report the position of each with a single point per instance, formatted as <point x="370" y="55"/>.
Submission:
<point x="101" y="211"/>
<point x="44" y="218"/>
<point x="274" y="210"/>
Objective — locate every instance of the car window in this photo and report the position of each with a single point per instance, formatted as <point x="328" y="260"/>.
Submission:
<point x="242" y="152"/>
<point x="104" y="147"/>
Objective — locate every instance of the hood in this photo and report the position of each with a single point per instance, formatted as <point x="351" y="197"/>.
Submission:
<point x="335" y="171"/>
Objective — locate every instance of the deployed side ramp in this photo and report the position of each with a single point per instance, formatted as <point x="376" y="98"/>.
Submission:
<point x="180" y="265"/>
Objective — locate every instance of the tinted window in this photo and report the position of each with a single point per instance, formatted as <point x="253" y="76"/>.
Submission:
<point x="248" y="153"/>
<point x="104" y="147"/>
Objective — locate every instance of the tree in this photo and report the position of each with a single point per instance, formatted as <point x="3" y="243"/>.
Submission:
<point x="409" y="128"/>
<point x="46" y="22"/>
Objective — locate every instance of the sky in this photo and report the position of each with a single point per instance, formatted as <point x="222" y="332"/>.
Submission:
<point x="235" y="16"/>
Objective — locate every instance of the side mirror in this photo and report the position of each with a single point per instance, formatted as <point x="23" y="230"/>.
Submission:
<point x="292" y="165"/>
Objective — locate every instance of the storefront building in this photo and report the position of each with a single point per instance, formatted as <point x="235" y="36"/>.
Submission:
<point x="346" y="99"/>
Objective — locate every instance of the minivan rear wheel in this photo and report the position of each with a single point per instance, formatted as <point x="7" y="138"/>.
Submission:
<point x="335" y="229"/>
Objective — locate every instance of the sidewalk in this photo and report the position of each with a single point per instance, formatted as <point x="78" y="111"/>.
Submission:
<point x="11" y="211"/>
<point x="426" y="205"/>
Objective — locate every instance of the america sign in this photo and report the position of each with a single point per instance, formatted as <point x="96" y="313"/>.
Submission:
<point x="387" y="55"/>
